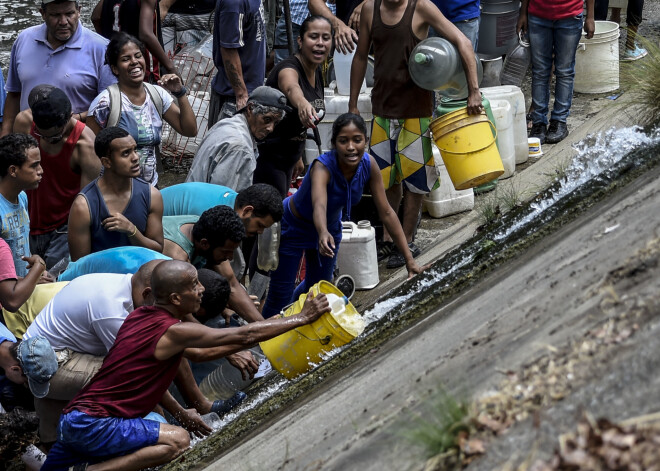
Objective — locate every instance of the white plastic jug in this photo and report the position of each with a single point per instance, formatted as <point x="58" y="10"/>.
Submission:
<point x="342" y="63"/>
<point x="337" y="303"/>
<point x="226" y="379"/>
<point x="516" y="99"/>
<point x="505" y="142"/>
<point x="357" y="254"/>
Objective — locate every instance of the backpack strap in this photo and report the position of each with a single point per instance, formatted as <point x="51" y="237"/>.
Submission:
<point x="115" y="105"/>
<point x="115" y="102"/>
<point x="155" y="97"/>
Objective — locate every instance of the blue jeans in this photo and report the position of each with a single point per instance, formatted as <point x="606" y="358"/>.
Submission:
<point x="470" y="28"/>
<point x="280" y="39"/>
<point x="548" y="38"/>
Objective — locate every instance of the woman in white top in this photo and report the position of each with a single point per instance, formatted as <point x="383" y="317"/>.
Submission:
<point x="139" y="115"/>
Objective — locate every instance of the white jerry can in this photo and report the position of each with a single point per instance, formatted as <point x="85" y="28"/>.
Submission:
<point x="357" y="255"/>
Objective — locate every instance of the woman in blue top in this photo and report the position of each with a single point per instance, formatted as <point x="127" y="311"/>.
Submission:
<point x="313" y="215"/>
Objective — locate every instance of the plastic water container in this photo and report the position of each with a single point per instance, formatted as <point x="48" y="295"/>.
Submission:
<point x="516" y="63"/>
<point x="357" y="254"/>
<point x="497" y="26"/>
<point x="336" y="105"/>
<point x="342" y="63"/>
<point x="269" y="245"/>
<point x="516" y="99"/>
<point x="435" y="64"/>
<point x="446" y="200"/>
<point x="597" y="60"/>
<point x="226" y="379"/>
<point x="505" y="142"/>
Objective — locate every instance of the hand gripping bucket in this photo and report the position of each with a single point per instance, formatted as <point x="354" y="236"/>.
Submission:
<point x="297" y="351"/>
<point x="468" y="147"/>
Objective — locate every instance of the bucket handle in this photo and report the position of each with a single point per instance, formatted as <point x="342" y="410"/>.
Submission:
<point x="476" y="150"/>
<point x="323" y="340"/>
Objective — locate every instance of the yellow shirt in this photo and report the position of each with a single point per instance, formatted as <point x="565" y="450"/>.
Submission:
<point x="19" y="321"/>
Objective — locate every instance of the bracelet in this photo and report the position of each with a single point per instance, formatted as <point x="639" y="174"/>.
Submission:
<point x="180" y="93"/>
<point x="134" y="231"/>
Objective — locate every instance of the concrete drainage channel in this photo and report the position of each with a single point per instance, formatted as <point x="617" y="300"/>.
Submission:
<point x="413" y="300"/>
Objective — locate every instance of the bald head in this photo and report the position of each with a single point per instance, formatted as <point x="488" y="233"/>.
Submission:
<point x="141" y="283"/>
<point x="171" y="277"/>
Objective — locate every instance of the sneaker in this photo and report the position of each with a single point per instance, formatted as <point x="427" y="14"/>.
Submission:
<point x="397" y="259"/>
<point x="634" y="54"/>
<point x="385" y="249"/>
<point x="557" y="131"/>
<point x="539" y="130"/>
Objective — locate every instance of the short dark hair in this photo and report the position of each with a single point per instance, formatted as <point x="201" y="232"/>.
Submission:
<point x="218" y="224"/>
<point x="216" y="291"/>
<point x="117" y="43"/>
<point x="344" y="120"/>
<point x="104" y="140"/>
<point x="43" y="5"/>
<point x="309" y="20"/>
<point x="13" y="150"/>
<point x="265" y="199"/>
<point x="50" y="107"/>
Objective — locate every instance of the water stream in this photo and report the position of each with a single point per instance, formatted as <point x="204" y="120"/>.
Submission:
<point x="599" y="161"/>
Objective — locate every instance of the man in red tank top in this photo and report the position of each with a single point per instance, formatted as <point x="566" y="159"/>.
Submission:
<point x="400" y="139"/>
<point x="103" y="423"/>
<point x="69" y="163"/>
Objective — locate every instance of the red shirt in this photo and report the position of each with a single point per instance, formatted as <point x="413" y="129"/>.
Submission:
<point x="555" y="9"/>
<point x="50" y="203"/>
<point x="131" y="381"/>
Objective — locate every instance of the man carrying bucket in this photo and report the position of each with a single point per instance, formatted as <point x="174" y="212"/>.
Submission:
<point x="400" y="133"/>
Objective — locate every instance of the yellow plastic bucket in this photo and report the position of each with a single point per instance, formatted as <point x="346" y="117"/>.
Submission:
<point x="297" y="351"/>
<point x="468" y="147"/>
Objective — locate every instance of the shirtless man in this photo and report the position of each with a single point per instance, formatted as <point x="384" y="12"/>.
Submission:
<point x="117" y="209"/>
<point x="68" y="161"/>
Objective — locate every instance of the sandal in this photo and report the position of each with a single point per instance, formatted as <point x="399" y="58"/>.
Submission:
<point x="384" y="249"/>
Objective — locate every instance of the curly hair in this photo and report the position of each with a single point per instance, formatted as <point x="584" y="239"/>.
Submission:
<point x="264" y="198"/>
<point x="13" y="150"/>
<point x="218" y="224"/>
<point x="216" y="291"/>
<point x="117" y="43"/>
<point x="104" y="140"/>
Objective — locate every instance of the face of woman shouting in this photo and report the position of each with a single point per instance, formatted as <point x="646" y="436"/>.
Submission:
<point x="350" y="144"/>
<point x="315" y="40"/>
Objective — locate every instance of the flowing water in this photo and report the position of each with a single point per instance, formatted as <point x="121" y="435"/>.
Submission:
<point x="16" y="15"/>
<point x="598" y="162"/>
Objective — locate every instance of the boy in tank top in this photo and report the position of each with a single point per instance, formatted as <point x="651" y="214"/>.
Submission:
<point x="400" y="135"/>
<point x="117" y="209"/>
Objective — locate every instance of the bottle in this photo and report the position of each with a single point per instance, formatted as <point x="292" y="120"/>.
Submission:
<point x="516" y="63"/>
<point x="435" y="64"/>
<point x="226" y="379"/>
<point x="342" y="64"/>
<point x="269" y="246"/>
<point x="337" y="303"/>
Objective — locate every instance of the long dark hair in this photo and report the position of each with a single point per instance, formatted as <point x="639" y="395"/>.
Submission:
<point x="304" y="27"/>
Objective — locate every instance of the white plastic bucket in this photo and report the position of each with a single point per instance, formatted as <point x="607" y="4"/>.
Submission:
<point x="357" y="254"/>
<point x="343" y="63"/>
<point x="446" y="200"/>
<point x="597" y="60"/>
<point x="516" y="99"/>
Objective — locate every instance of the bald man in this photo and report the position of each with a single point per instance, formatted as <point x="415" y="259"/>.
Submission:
<point x="104" y="419"/>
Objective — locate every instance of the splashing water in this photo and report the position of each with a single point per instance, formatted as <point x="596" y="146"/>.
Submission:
<point x="593" y="160"/>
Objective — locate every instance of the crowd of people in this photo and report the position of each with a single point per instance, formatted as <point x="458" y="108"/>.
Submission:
<point x="153" y="271"/>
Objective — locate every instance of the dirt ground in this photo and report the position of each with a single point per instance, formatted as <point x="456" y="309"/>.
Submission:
<point x="593" y="282"/>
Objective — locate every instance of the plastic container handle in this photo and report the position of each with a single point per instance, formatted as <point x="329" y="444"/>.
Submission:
<point x="476" y="150"/>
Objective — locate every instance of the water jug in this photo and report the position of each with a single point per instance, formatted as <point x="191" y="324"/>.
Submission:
<point x="342" y="64"/>
<point x="435" y="64"/>
<point x="226" y="379"/>
<point x="269" y="245"/>
<point x="357" y="255"/>
<point x="516" y="63"/>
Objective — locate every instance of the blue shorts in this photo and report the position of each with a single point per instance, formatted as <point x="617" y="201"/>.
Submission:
<point x="82" y="438"/>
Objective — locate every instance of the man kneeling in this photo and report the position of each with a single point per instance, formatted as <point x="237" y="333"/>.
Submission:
<point x="103" y="424"/>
